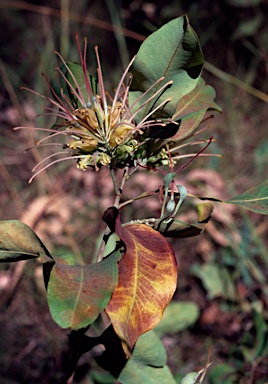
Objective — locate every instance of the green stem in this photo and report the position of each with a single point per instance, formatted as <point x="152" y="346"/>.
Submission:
<point x="114" y="182"/>
<point x="102" y="246"/>
<point x="118" y="193"/>
<point x="142" y="196"/>
<point x="120" y="190"/>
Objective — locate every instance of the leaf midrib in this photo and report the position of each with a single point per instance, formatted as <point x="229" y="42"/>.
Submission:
<point x="77" y="296"/>
<point x="249" y="200"/>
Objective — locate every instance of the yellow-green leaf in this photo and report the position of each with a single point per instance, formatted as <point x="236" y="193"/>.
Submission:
<point x="178" y="315"/>
<point x="255" y="199"/>
<point x="148" y="363"/>
<point x="19" y="242"/>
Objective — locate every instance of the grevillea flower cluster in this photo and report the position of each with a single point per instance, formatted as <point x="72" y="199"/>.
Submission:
<point x="101" y="130"/>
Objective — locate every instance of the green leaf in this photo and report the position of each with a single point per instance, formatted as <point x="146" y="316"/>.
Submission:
<point x="192" y="107"/>
<point x="255" y="199"/>
<point x="173" y="51"/>
<point x="190" y="378"/>
<point x="64" y="256"/>
<point x="148" y="363"/>
<point x="177" y="316"/>
<point x="19" y="242"/>
<point x="149" y="350"/>
<point x="216" y="280"/>
<point x="248" y="27"/>
<point x="101" y="377"/>
<point x="77" y="294"/>
<point x="224" y="374"/>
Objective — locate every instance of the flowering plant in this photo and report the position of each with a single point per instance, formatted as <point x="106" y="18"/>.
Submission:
<point x="156" y="109"/>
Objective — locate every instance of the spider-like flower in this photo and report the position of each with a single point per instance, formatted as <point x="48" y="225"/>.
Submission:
<point x="100" y="132"/>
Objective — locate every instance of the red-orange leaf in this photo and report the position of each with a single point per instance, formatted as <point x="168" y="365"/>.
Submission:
<point x="146" y="282"/>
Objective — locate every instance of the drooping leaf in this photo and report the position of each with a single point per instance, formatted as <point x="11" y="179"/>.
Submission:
<point x="77" y="294"/>
<point x="192" y="107"/>
<point x="173" y="51"/>
<point x="148" y="363"/>
<point x="146" y="282"/>
<point x="255" y="199"/>
<point x="180" y="229"/>
<point x="19" y="242"/>
<point x="178" y="315"/>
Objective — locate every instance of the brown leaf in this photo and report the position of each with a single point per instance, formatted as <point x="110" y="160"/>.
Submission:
<point x="147" y="279"/>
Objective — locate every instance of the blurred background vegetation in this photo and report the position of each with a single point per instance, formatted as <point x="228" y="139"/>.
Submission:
<point x="222" y="286"/>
